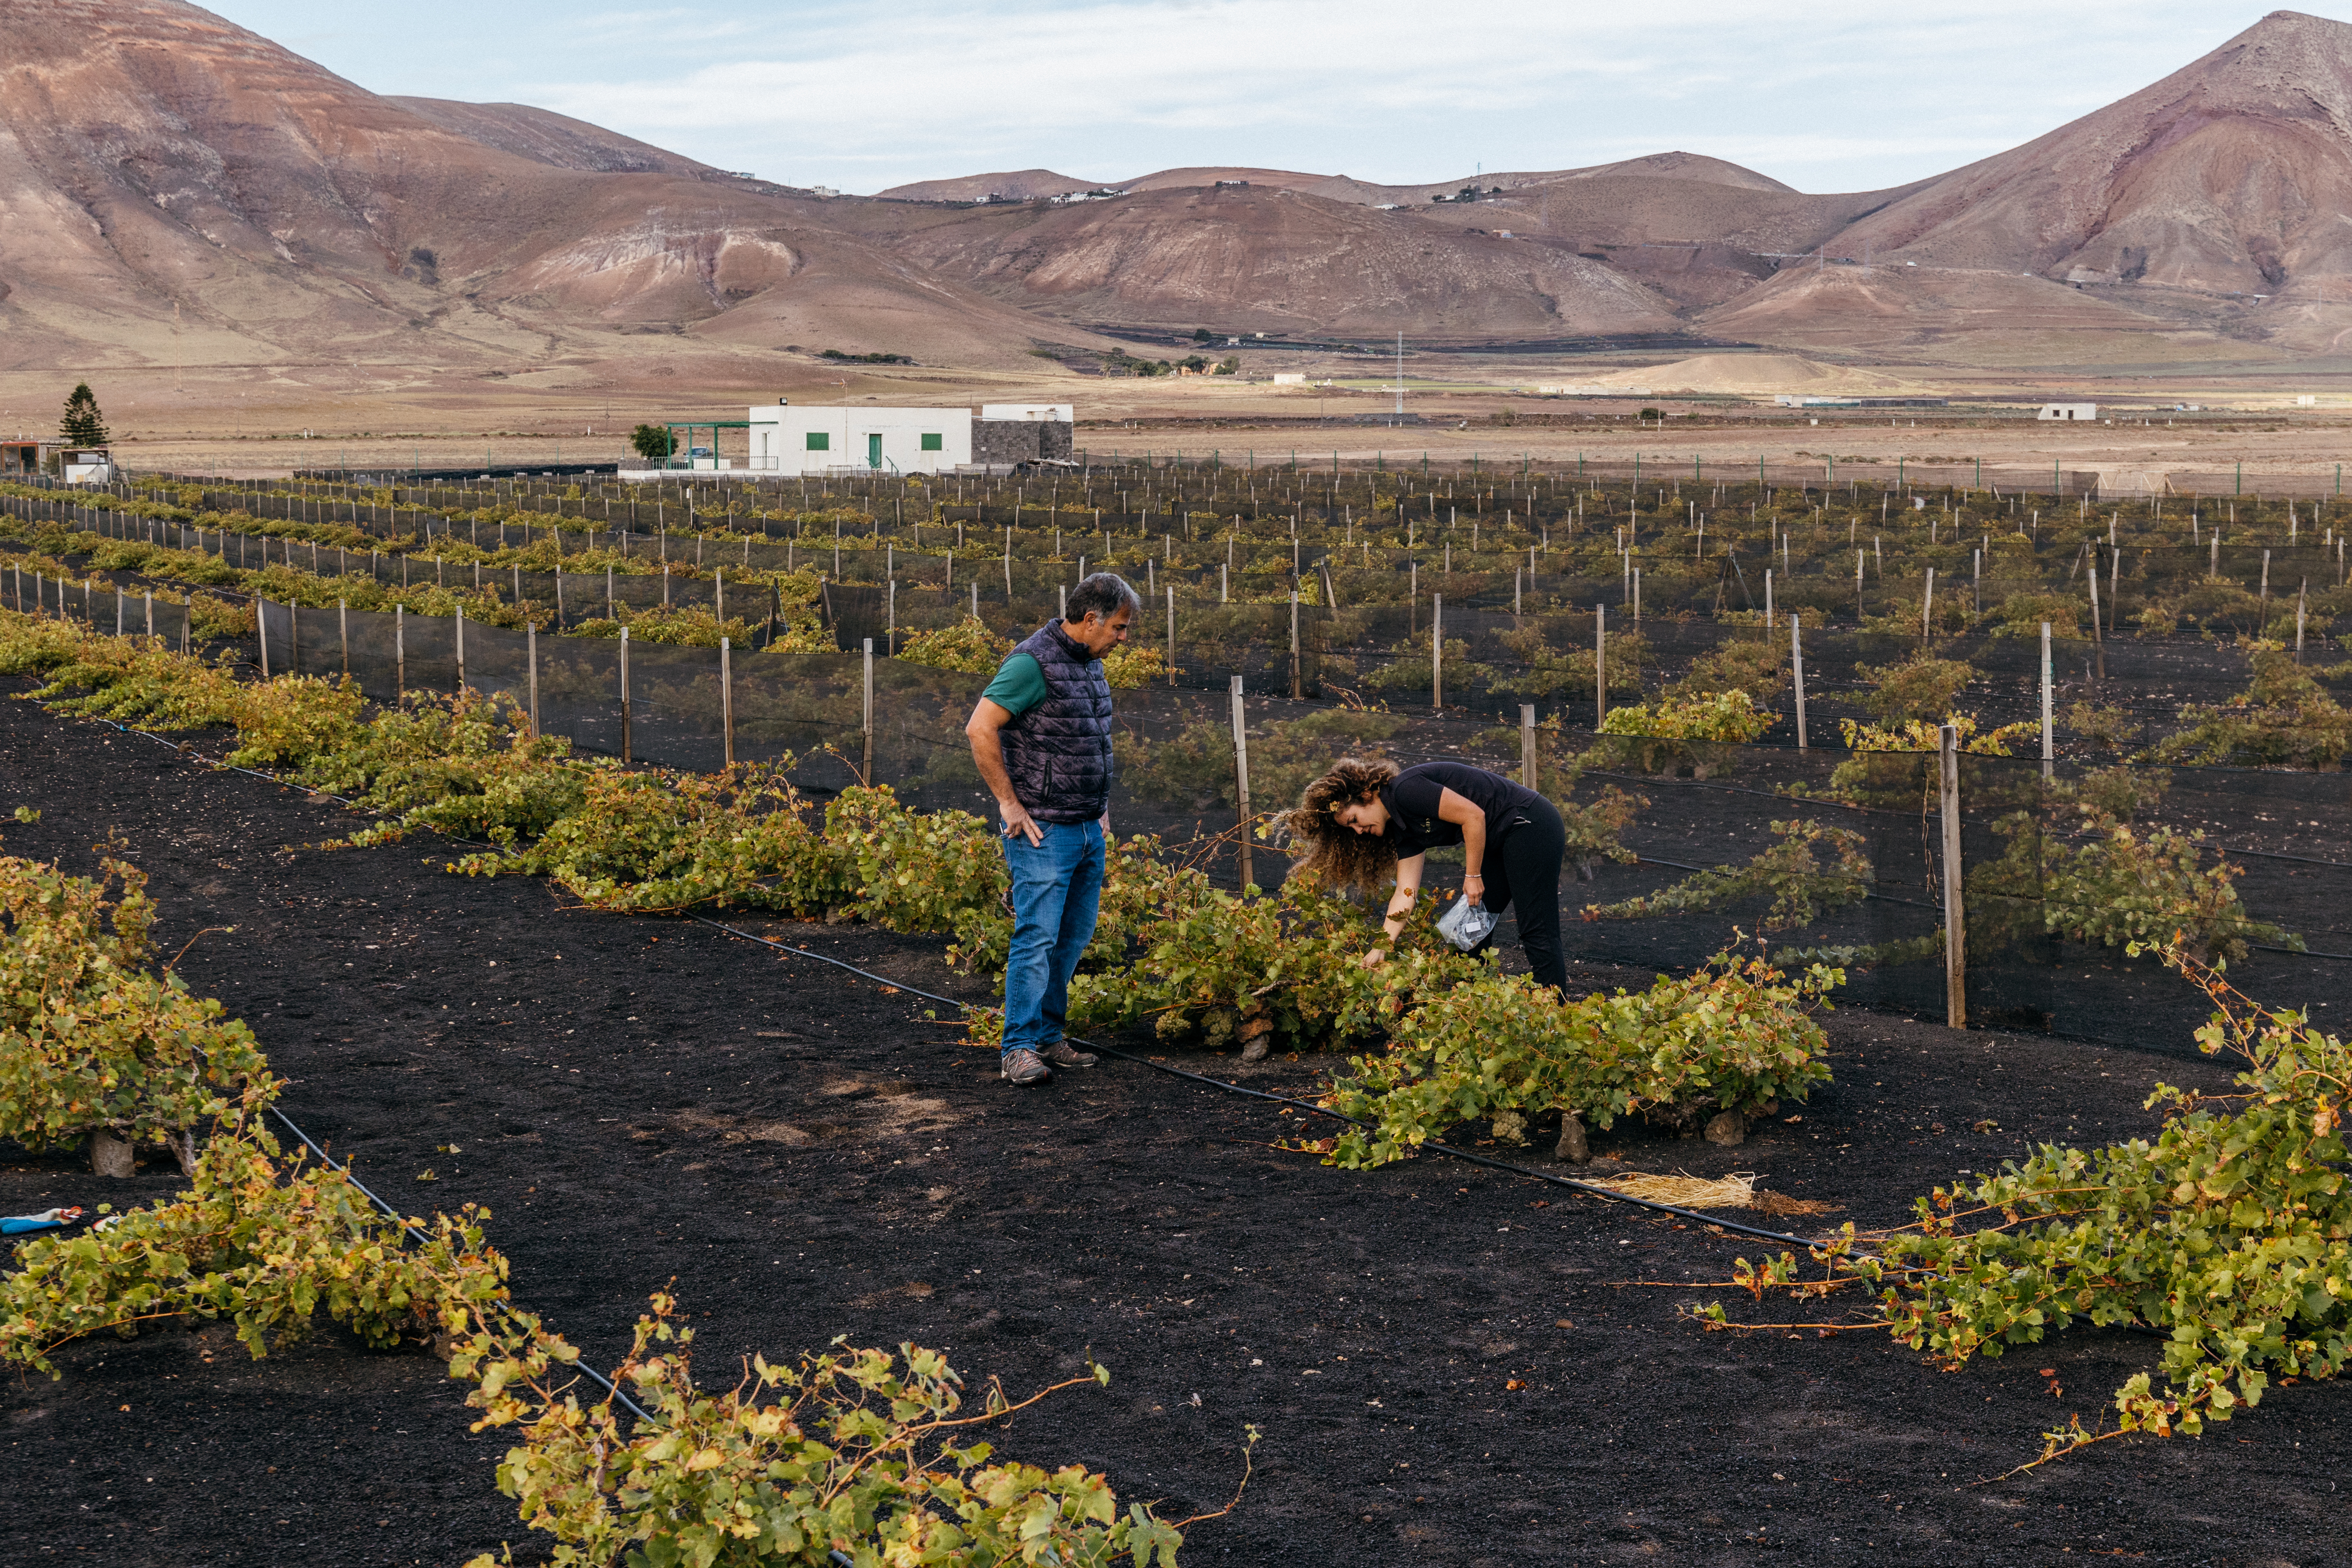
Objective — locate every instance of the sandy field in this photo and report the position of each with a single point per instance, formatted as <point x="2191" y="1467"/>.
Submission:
<point x="251" y="421"/>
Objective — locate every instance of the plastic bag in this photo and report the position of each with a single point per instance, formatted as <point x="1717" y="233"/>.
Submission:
<point x="1465" y="925"/>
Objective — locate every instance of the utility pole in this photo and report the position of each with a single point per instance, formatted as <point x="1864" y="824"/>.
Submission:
<point x="1400" y="385"/>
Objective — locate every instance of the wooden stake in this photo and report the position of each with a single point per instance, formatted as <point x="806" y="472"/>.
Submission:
<point x="1955" y="925"/>
<point x="726" y="698"/>
<point x="1241" y="777"/>
<point x="1600" y="665"/>
<point x="1797" y="670"/>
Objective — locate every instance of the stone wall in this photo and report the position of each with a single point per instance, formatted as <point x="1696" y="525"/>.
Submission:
<point x="998" y="441"/>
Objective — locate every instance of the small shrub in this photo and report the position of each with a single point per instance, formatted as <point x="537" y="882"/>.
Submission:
<point x="2282" y="718"/>
<point x="1735" y="1035"/>
<point x="90" y="1038"/>
<point x="1922" y="688"/>
<point x="2228" y="1236"/>
<point x="260" y="1239"/>
<point x="965" y="644"/>
<point x="852" y="1453"/>
<point x="1790" y="873"/>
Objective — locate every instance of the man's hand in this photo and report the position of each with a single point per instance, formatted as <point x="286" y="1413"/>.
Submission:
<point x="1372" y="959"/>
<point x="1018" y="820"/>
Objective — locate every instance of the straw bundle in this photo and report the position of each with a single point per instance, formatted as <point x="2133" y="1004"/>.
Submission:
<point x="1684" y="1190"/>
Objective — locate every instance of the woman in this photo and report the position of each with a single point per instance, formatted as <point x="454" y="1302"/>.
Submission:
<point x="1364" y="820"/>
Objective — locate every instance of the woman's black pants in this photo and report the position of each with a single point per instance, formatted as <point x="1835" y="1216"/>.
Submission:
<point x="1522" y="870"/>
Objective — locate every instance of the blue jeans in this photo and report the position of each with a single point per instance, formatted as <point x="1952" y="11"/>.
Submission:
<point x="1056" y="892"/>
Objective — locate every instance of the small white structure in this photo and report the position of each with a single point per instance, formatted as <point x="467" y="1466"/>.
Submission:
<point x="2068" y="411"/>
<point x="2306" y="400"/>
<point x="1032" y="413"/>
<point x="87" y="467"/>
<point x="1290" y="378"/>
<point x="814" y="437"/>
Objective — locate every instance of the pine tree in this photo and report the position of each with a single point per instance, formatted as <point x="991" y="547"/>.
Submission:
<point x="82" y="426"/>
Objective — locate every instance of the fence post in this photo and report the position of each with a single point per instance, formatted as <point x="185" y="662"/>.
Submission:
<point x="726" y="697"/>
<point x="343" y="632"/>
<point x="719" y="581"/>
<point x="1437" y="651"/>
<point x="531" y="659"/>
<point x="1956" y="924"/>
<point x="260" y="624"/>
<point x="1172" y="633"/>
<point x="624" y="696"/>
<point x="890" y="617"/>
<point x="1528" y="744"/>
<point x="1796" y="668"/>
<point x="150" y="612"/>
<point x="1241" y="777"/>
<point x="1600" y="665"/>
<point x="2302" y="593"/>
<point x="1927" y="602"/>
<point x="869" y="710"/>
<point x="2049" y="751"/>
<point x="460" y="620"/>
<point x="1294" y="648"/>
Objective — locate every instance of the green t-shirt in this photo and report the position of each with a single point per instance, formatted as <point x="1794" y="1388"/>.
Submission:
<point x="1019" y="685"/>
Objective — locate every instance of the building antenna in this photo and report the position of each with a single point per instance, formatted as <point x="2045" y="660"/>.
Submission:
<point x="1400" y="407"/>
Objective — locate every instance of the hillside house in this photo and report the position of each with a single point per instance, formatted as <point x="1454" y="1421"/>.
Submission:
<point x="2068" y="411"/>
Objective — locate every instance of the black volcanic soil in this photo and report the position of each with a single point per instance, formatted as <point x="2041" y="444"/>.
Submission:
<point x="806" y="1154"/>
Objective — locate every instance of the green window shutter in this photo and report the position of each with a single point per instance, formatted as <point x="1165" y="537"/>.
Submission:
<point x="819" y="441"/>
<point x="934" y="443"/>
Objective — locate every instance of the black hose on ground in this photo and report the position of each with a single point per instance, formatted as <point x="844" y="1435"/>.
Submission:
<point x="1590" y="1188"/>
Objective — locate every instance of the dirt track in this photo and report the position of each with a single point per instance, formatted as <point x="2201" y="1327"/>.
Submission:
<point x="644" y="1100"/>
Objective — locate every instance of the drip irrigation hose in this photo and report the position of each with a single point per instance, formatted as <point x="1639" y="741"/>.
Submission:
<point x="1592" y="1189"/>
<point x="407" y="1227"/>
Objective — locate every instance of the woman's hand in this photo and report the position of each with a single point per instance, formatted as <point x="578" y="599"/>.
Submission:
<point x="1372" y="959"/>
<point x="1474" y="887"/>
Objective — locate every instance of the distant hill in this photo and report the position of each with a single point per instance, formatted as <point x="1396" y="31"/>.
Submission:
<point x="1021" y="185"/>
<point x="1261" y="258"/>
<point x="179" y="190"/>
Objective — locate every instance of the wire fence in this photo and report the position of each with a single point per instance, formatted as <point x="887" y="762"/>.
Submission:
<point x="1419" y="650"/>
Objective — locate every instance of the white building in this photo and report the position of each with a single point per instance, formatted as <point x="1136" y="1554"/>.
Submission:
<point x="814" y="437"/>
<point x="2068" y="411"/>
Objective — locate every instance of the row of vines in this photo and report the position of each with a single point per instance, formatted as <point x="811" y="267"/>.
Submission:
<point x="1439" y="1040"/>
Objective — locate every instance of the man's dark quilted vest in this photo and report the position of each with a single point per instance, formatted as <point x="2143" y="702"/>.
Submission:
<point x="1058" y="753"/>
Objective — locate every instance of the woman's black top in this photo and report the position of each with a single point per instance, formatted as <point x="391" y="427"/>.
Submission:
<point x="1412" y="796"/>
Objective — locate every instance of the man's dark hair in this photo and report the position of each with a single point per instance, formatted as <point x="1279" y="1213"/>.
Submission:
<point x="1101" y="594"/>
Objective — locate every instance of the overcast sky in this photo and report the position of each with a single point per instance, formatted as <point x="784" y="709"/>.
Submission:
<point x="1838" y="95"/>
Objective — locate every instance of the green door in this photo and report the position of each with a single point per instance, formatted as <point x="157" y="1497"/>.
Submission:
<point x="874" y="451"/>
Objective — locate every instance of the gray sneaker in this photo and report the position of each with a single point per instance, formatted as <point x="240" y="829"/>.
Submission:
<point x="1063" y="1054"/>
<point x="1025" y="1066"/>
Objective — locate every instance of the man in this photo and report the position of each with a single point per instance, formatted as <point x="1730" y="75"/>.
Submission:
<point x="1041" y="739"/>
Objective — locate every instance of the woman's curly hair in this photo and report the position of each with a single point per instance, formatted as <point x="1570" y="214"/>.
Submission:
<point x="1330" y="854"/>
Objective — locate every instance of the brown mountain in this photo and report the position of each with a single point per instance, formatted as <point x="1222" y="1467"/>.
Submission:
<point x="1255" y="257"/>
<point x="546" y="137"/>
<point x="179" y="190"/>
<point x="2174" y="206"/>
